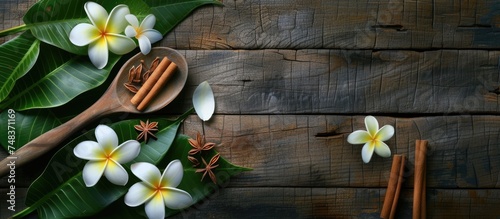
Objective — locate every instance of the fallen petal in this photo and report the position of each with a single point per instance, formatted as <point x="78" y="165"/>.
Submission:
<point x="203" y="101"/>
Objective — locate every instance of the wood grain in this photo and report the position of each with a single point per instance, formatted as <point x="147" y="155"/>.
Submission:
<point x="279" y="202"/>
<point x="318" y="81"/>
<point x="347" y="24"/>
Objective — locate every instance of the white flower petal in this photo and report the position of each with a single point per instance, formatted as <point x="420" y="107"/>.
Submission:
<point x="138" y="194"/>
<point x="92" y="172"/>
<point x="97" y="14"/>
<point x="130" y="31"/>
<point x="83" y="34"/>
<point x="98" y="53"/>
<point x="203" y="101"/>
<point x="106" y="137"/>
<point x="382" y="149"/>
<point x="371" y="125"/>
<point x="132" y="20"/>
<point x="367" y="152"/>
<point x="155" y="209"/>
<point x="359" y="137"/>
<point x="153" y="35"/>
<point x="385" y="133"/>
<point x="148" y="22"/>
<point x="120" y="44"/>
<point x="172" y="175"/>
<point x="116" y="22"/>
<point x="127" y="151"/>
<point x="115" y="173"/>
<point x="89" y="150"/>
<point x="146" y="172"/>
<point x="176" y="199"/>
<point x="144" y="44"/>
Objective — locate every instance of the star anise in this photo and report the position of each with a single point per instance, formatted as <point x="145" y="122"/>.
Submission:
<point x="146" y="130"/>
<point x="194" y="161"/>
<point x="209" y="167"/>
<point x="199" y="145"/>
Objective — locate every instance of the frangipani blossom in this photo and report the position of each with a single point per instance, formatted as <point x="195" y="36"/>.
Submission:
<point x="103" y="34"/>
<point x="372" y="138"/>
<point x="158" y="190"/>
<point x="203" y="101"/>
<point x="144" y="33"/>
<point x="105" y="157"/>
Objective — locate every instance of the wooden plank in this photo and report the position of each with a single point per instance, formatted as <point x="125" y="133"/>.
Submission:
<point x="347" y="81"/>
<point x="277" y="202"/>
<point x="347" y="24"/>
<point x="272" y="202"/>
<point x="312" y="151"/>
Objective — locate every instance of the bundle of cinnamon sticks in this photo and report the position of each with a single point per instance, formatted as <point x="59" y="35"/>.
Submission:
<point x="153" y="84"/>
<point x="396" y="179"/>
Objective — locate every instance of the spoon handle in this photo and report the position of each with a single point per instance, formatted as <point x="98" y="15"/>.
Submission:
<point x="54" y="137"/>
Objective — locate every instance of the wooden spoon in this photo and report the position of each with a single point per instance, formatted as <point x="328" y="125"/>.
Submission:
<point x="115" y="99"/>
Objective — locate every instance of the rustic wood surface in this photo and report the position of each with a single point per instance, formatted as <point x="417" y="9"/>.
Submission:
<point x="293" y="78"/>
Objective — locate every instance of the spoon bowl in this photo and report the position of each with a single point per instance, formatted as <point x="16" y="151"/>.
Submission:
<point x="115" y="99"/>
<point x="168" y="93"/>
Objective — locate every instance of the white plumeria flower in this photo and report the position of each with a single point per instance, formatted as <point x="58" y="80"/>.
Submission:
<point x="203" y="101"/>
<point x="158" y="190"/>
<point x="144" y="33"/>
<point x="103" y="34"/>
<point x="105" y="157"/>
<point x="372" y="138"/>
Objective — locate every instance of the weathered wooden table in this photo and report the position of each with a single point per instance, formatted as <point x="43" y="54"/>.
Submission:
<point x="293" y="78"/>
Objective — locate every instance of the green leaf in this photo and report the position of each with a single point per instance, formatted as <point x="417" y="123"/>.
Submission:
<point x="169" y="13"/>
<point x="52" y="20"/>
<point x="191" y="182"/>
<point x="56" y="78"/>
<point x="60" y="190"/>
<point x="26" y="125"/>
<point x="18" y="56"/>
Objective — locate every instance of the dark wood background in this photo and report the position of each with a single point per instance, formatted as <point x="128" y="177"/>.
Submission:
<point x="293" y="78"/>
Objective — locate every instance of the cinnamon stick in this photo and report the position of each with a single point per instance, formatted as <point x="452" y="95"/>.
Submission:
<point x="148" y="85"/>
<point x="398" y="188"/>
<point x="419" y="208"/>
<point x="393" y="187"/>
<point x="157" y="86"/>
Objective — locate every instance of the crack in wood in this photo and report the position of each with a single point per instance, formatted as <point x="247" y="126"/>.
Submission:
<point x="396" y="27"/>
